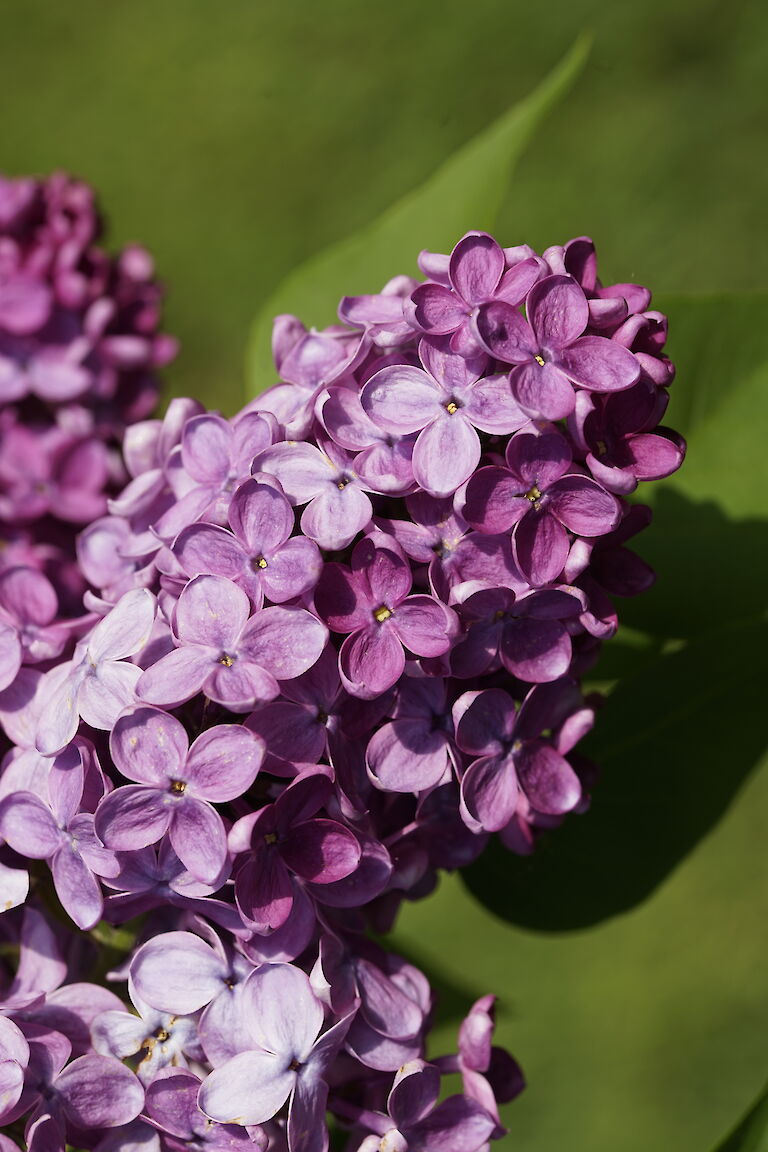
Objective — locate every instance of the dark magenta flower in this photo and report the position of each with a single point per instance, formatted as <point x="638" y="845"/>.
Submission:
<point x="550" y="351"/>
<point x="370" y="602"/>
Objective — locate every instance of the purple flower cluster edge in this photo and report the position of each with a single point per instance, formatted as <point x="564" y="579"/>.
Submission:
<point x="296" y="664"/>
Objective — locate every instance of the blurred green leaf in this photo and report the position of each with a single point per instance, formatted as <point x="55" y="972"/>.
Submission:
<point x="659" y="1011"/>
<point x="467" y="191"/>
<point x="751" y="1135"/>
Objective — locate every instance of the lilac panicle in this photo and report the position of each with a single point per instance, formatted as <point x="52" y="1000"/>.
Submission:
<point x="328" y="648"/>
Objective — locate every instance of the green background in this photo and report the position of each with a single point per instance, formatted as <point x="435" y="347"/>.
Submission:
<point x="238" y="139"/>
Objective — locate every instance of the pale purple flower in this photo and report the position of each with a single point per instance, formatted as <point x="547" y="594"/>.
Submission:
<point x="28" y="599"/>
<point x="14" y="1058"/>
<point x="176" y="785"/>
<point x="383" y="460"/>
<point x="608" y="306"/>
<point x="164" y="1038"/>
<point x="172" y="1104"/>
<point x="549" y="350"/>
<point x="477" y="273"/>
<point x="286" y="1059"/>
<point x="47" y="472"/>
<point x="395" y="1000"/>
<point x="445" y="402"/>
<point x="231" y="656"/>
<point x="324" y="479"/>
<point x="542" y="499"/>
<point x="61" y="833"/>
<point x="259" y="553"/>
<point x="370" y="602"/>
<point x="97" y="683"/>
<point x="215" y="457"/>
<point x="381" y="316"/>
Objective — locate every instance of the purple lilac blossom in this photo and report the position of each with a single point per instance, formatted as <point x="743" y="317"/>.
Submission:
<point x="327" y="649"/>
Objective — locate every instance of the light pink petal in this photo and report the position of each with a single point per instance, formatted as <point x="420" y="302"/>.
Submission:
<point x="335" y="516"/>
<point x="126" y="629"/>
<point x="446" y="454"/>
<point x="240" y="686"/>
<point x="401" y="399"/>
<point x="178" y="972"/>
<point x="10" y="654"/>
<point x="284" y="641"/>
<point x="99" y="1092"/>
<point x="105" y="693"/>
<point x="286" y="1014"/>
<point x="198" y="838"/>
<point x="476" y="266"/>
<point x="133" y="817"/>
<point x="435" y="309"/>
<point x="149" y="746"/>
<point x="301" y="468"/>
<point x="208" y="549"/>
<point x="491" y="407"/>
<point x="59" y="717"/>
<point x="77" y="887"/>
<point x="542" y="390"/>
<point x="28" y="826"/>
<point x="599" y="364"/>
<point x="424" y="625"/>
<point x="261" y="516"/>
<point x="249" y="1089"/>
<point x="176" y="677"/>
<point x="205" y="448"/>
<point x="211" y="612"/>
<point x="223" y="762"/>
<point x="558" y="311"/>
<point x="291" y="571"/>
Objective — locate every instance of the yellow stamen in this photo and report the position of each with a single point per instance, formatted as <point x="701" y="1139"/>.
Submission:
<point x="178" y="787"/>
<point x="383" y="613"/>
<point x="533" y="494"/>
<point x="227" y="661"/>
<point x="539" y="360"/>
<point x="451" y="408"/>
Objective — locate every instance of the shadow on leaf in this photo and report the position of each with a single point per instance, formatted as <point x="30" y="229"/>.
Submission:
<point x="677" y="737"/>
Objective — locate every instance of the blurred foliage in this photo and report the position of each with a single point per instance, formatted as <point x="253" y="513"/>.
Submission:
<point x="238" y="139"/>
<point x="751" y="1134"/>
<point x="238" y="142"/>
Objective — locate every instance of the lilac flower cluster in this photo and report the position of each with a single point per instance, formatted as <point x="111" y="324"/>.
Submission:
<point x="334" y="643"/>
<point x="79" y="350"/>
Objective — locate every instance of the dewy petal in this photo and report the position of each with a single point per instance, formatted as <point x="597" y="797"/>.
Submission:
<point x="489" y="792"/>
<point x="223" y="762"/>
<point x="558" y="311"/>
<point x="198" y="838"/>
<point x="599" y="364"/>
<point x="584" y="506"/>
<point x="126" y="629"/>
<point x="149" y="746"/>
<point x="446" y="454"/>
<point x="99" y="1092"/>
<point x="547" y="778"/>
<point x="261" y="516"/>
<point x="284" y="641"/>
<point x="401" y="399"/>
<point x="476" y="266"/>
<point x="249" y="1089"/>
<point x="541" y="547"/>
<point x="211" y="611"/>
<point x="542" y="390"/>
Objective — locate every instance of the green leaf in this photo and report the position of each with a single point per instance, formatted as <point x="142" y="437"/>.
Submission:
<point x="751" y="1134"/>
<point x="465" y="192"/>
<point x="630" y="948"/>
